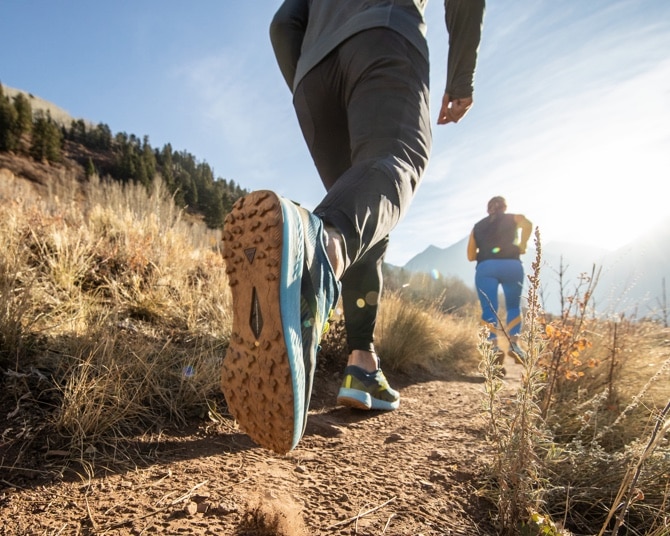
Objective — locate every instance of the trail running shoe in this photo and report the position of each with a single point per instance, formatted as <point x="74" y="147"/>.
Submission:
<point x="319" y="294"/>
<point x="265" y="377"/>
<point x="517" y="352"/>
<point x="367" y="390"/>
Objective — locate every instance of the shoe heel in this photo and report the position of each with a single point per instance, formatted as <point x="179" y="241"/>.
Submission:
<point x="354" y="398"/>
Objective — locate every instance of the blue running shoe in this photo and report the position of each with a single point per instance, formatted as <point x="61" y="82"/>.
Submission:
<point x="267" y="372"/>
<point x="517" y="352"/>
<point x="320" y="292"/>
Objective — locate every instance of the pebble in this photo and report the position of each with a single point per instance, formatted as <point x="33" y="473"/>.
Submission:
<point x="191" y="509"/>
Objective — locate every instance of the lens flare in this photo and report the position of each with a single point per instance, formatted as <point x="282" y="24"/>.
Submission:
<point x="372" y="298"/>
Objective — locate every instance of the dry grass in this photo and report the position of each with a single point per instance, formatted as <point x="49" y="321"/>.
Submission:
<point x="118" y="300"/>
<point x="516" y="427"/>
<point x="124" y="306"/>
<point x="272" y="516"/>
<point x="621" y="382"/>
<point x="596" y="457"/>
<point x="411" y="334"/>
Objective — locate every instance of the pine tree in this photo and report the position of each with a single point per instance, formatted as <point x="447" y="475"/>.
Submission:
<point x="47" y="139"/>
<point x="90" y="168"/>
<point x="190" y="191"/>
<point x="78" y="131"/>
<point x="24" y="117"/>
<point x="148" y="160"/>
<point x="101" y="137"/>
<point x="164" y="160"/>
<point x="38" y="143"/>
<point x="55" y="142"/>
<point x="8" y="118"/>
<point x="213" y="210"/>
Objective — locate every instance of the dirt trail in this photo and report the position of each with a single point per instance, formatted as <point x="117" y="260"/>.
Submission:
<point x="411" y="472"/>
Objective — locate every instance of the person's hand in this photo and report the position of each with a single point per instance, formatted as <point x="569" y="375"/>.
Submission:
<point x="453" y="110"/>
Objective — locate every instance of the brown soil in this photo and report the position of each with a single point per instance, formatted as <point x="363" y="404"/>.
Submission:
<point x="415" y="471"/>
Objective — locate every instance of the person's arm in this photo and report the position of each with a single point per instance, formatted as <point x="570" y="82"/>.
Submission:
<point x="287" y="31"/>
<point x="472" y="247"/>
<point x="464" y="24"/>
<point x="526" y="227"/>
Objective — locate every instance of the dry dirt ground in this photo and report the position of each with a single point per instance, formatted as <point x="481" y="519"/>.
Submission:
<point x="412" y="472"/>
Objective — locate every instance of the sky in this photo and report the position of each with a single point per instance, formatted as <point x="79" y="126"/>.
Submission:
<point x="571" y="120"/>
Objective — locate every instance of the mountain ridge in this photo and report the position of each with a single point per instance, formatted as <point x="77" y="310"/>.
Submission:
<point x="631" y="278"/>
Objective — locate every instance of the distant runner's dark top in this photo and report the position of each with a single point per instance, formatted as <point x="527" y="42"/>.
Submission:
<point x="496" y="237"/>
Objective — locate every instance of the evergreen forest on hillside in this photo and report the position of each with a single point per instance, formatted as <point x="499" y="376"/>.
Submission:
<point x="121" y="157"/>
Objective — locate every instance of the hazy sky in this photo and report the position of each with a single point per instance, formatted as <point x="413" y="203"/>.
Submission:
<point x="571" y="121"/>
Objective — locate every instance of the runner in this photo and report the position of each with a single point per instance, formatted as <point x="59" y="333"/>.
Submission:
<point x="496" y="243"/>
<point x="358" y="72"/>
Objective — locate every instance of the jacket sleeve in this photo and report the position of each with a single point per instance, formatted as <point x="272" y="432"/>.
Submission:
<point x="464" y="20"/>
<point x="526" y="227"/>
<point x="472" y="247"/>
<point x="287" y="31"/>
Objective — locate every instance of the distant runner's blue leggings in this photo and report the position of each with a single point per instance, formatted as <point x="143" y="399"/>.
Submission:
<point x="489" y="275"/>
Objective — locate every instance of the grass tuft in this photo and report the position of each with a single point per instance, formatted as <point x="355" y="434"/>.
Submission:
<point x="415" y="334"/>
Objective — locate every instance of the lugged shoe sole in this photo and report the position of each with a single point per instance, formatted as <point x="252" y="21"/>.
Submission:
<point x="263" y="375"/>
<point x="354" y="398"/>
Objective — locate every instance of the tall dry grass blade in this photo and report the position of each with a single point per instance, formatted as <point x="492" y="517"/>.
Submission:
<point x="517" y="428"/>
<point x="628" y="486"/>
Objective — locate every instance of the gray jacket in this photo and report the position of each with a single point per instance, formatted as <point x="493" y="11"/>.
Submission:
<point x="303" y="32"/>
